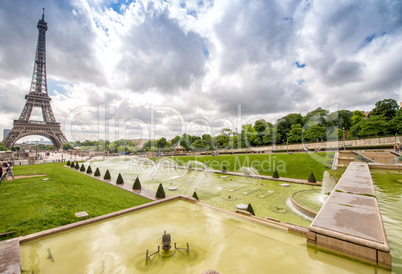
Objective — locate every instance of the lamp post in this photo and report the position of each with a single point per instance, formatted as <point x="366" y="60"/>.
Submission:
<point x="36" y="155"/>
<point x="302" y="137"/>
<point x="343" y="131"/>
<point x="287" y="145"/>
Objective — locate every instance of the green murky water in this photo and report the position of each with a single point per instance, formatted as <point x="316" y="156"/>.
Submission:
<point x="268" y="198"/>
<point x="225" y="242"/>
<point x="388" y="187"/>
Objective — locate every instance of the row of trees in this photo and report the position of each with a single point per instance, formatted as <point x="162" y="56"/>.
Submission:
<point x="317" y="125"/>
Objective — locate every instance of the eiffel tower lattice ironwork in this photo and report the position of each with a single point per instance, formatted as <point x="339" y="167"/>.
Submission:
<point x="37" y="97"/>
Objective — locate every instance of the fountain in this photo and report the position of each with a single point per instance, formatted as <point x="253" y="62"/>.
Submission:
<point x="213" y="189"/>
<point x="250" y="171"/>
<point x="118" y="244"/>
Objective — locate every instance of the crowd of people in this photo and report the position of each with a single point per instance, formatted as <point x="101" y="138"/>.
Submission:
<point x="6" y="170"/>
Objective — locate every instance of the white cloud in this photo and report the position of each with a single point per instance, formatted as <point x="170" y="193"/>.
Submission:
<point x="201" y="58"/>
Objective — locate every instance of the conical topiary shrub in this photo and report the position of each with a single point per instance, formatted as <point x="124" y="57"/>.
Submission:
<point x="68" y="162"/>
<point x="160" y="193"/>
<point x="312" y="179"/>
<point x="82" y="168"/>
<point x="195" y="195"/>
<point x="224" y="169"/>
<point x="137" y="184"/>
<point x="119" y="180"/>
<point x="97" y="172"/>
<point x="72" y="165"/>
<point x="89" y="170"/>
<point x="77" y="166"/>
<point x="250" y="209"/>
<point x="275" y="175"/>
<point x="107" y="175"/>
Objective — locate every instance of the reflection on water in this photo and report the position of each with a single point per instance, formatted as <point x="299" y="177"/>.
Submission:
<point x="388" y="186"/>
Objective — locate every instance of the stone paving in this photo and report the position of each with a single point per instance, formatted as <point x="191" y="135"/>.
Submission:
<point x="350" y="221"/>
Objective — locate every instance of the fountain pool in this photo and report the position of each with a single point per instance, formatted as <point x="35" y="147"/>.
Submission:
<point x="268" y="198"/>
<point x="226" y="242"/>
<point x="388" y="187"/>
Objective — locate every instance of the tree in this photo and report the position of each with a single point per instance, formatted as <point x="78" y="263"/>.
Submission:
<point x="195" y="195"/>
<point x="119" y="179"/>
<point x="250" y="209"/>
<point x="315" y="132"/>
<point x="198" y="144"/>
<point x="2" y="147"/>
<point x="317" y="116"/>
<point x="107" y="175"/>
<point x="97" y="172"/>
<point x="375" y="125"/>
<point x="295" y="134"/>
<point x="137" y="184"/>
<point x="67" y="146"/>
<point x="386" y="107"/>
<point x="160" y="193"/>
<point x="275" y="175"/>
<point x="357" y="117"/>
<point x="396" y="123"/>
<point x="311" y="178"/>
<point x="89" y="170"/>
<point x="161" y="143"/>
<point x="82" y="168"/>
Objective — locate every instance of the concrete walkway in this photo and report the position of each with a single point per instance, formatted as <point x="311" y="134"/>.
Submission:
<point x="10" y="256"/>
<point x="350" y="221"/>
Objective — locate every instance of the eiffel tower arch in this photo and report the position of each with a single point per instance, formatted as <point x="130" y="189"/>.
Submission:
<point x="37" y="97"/>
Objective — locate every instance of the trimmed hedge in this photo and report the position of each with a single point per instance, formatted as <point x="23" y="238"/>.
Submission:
<point x="72" y="165"/>
<point x="107" y="175"/>
<point x="224" y="169"/>
<point x="82" y="168"/>
<point x="68" y="162"/>
<point x="312" y="179"/>
<point x="275" y="175"/>
<point x="137" y="184"/>
<point x="89" y="170"/>
<point x="97" y="172"/>
<point x="160" y="193"/>
<point x="250" y="209"/>
<point x="195" y="195"/>
<point x="77" y="165"/>
<point x="119" y="179"/>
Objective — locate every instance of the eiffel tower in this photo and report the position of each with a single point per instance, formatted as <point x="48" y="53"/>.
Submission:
<point x="37" y="97"/>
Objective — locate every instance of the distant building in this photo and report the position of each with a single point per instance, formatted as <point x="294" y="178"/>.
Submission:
<point x="5" y="132"/>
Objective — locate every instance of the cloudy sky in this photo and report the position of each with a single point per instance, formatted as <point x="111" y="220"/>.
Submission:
<point x="145" y="69"/>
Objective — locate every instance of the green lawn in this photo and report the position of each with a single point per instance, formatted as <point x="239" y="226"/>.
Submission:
<point x="30" y="205"/>
<point x="296" y="165"/>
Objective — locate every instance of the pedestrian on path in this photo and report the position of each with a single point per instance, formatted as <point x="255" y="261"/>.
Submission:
<point x="10" y="171"/>
<point x="4" y="171"/>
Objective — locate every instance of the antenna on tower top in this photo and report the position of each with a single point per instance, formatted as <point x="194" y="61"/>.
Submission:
<point x="43" y="14"/>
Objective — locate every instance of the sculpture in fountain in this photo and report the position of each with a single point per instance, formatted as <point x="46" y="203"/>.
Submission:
<point x="166" y="241"/>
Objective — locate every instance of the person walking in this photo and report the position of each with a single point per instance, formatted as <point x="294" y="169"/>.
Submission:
<point x="4" y="171"/>
<point x="10" y="171"/>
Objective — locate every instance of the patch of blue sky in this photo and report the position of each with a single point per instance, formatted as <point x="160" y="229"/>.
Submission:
<point x="370" y="39"/>
<point x="118" y="5"/>
<point x="300" y="65"/>
<point x="192" y="13"/>
<point x="206" y="52"/>
<point x="183" y="5"/>
<point x="300" y="81"/>
<point x="54" y="85"/>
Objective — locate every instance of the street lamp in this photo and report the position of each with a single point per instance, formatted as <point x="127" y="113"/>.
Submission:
<point x="287" y="145"/>
<point x="343" y="131"/>
<point x="302" y="138"/>
<point x="36" y="155"/>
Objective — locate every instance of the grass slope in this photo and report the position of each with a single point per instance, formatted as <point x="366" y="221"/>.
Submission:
<point x="30" y="205"/>
<point x="296" y="165"/>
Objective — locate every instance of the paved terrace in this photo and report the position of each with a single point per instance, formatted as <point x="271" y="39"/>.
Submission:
<point x="350" y="221"/>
